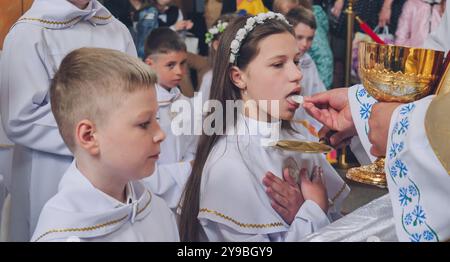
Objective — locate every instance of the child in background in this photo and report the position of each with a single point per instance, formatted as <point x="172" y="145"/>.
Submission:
<point x="115" y="137"/>
<point x="304" y="24"/>
<point x="225" y="198"/>
<point x="212" y="39"/>
<point x="320" y="50"/>
<point x="171" y="16"/>
<point x="166" y="54"/>
<point x="417" y="20"/>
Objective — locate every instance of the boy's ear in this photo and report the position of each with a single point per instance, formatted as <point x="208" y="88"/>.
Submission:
<point x="149" y="61"/>
<point x="86" y="137"/>
<point x="238" y="78"/>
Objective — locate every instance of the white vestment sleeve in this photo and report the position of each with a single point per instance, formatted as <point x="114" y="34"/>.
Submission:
<point x="440" y="38"/>
<point x="25" y="102"/>
<point x="419" y="186"/>
<point x="168" y="182"/>
<point x="361" y="106"/>
<point x="309" y="218"/>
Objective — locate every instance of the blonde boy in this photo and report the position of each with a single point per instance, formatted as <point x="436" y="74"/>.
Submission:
<point x="104" y="103"/>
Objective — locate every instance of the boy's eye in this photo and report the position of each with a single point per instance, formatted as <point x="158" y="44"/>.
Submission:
<point x="296" y="61"/>
<point x="145" y="125"/>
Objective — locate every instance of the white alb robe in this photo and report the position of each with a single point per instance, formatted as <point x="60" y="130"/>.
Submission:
<point x="233" y="203"/>
<point x="33" y="50"/>
<point x="173" y="165"/>
<point x="81" y="212"/>
<point x="440" y="38"/>
<point x="419" y="186"/>
<point x="311" y="84"/>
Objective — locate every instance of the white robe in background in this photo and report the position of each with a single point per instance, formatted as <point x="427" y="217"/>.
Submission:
<point x="173" y="165"/>
<point x="81" y="212"/>
<point x="440" y="38"/>
<point x="32" y="52"/>
<point x="419" y="186"/>
<point x="311" y="84"/>
<point x="234" y="205"/>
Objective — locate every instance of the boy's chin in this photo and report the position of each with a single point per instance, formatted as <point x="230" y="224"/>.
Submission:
<point x="170" y="85"/>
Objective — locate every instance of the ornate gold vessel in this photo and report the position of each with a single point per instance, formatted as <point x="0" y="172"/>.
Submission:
<point x="394" y="74"/>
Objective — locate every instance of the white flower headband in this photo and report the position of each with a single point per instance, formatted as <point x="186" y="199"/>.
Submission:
<point x="213" y="31"/>
<point x="251" y="23"/>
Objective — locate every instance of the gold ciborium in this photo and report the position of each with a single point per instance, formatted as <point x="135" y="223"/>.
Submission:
<point x="394" y="74"/>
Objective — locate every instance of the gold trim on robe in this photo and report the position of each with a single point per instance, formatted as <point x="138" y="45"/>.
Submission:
<point x="95" y="227"/>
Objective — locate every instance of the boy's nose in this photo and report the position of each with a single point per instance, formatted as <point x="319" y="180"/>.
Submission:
<point x="159" y="136"/>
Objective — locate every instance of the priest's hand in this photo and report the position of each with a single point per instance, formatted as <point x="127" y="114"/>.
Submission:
<point x="332" y="109"/>
<point x="379" y="121"/>
<point x="286" y="197"/>
<point x="314" y="189"/>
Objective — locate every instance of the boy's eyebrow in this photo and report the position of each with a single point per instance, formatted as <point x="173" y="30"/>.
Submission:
<point x="144" y="114"/>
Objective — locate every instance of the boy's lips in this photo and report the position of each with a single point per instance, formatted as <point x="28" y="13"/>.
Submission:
<point x="155" y="156"/>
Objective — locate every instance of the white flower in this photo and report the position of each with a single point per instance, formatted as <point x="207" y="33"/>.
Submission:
<point x="249" y="26"/>
<point x="214" y="30"/>
<point x="259" y="19"/>
<point x="232" y="58"/>
<point x="235" y="45"/>
<point x="241" y="33"/>
<point x="251" y="21"/>
<point x="280" y="16"/>
<point x="223" y="26"/>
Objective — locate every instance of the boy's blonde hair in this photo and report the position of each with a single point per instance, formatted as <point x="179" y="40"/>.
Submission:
<point x="91" y="83"/>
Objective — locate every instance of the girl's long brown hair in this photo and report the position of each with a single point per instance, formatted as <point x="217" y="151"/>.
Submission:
<point x="222" y="90"/>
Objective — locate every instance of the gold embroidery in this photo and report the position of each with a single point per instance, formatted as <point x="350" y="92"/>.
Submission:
<point x="6" y="146"/>
<point x="102" y="17"/>
<point x="337" y="195"/>
<point x="63" y="22"/>
<point x="95" y="227"/>
<point x="50" y="22"/>
<point x="274" y="224"/>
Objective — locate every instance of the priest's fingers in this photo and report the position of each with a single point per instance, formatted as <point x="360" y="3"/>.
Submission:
<point x="343" y="143"/>
<point x="319" y="99"/>
<point x="337" y="138"/>
<point x="321" y="115"/>
<point x="323" y="132"/>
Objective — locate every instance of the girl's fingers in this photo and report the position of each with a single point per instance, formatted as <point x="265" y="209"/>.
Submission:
<point x="282" y="201"/>
<point x="288" y="178"/>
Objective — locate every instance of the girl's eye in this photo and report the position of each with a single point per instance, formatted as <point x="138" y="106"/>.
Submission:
<point x="297" y="62"/>
<point x="278" y="65"/>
